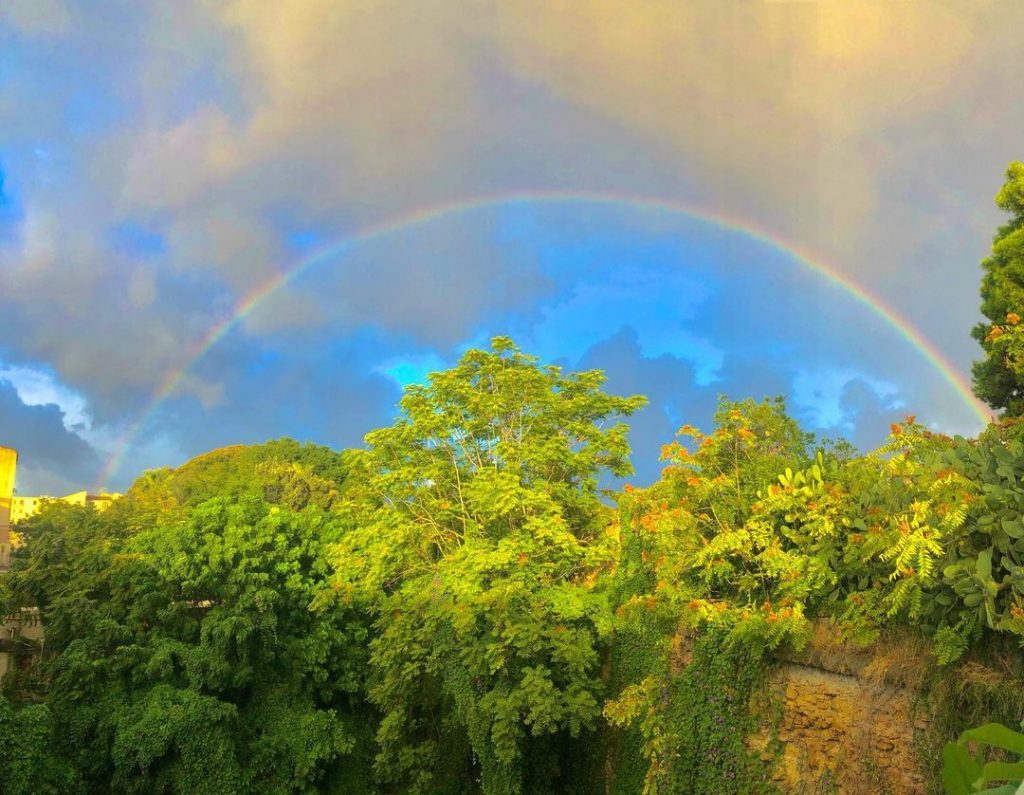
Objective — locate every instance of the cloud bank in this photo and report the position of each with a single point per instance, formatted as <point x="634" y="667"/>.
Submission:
<point x="162" y="160"/>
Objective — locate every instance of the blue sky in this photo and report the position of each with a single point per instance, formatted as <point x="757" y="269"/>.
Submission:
<point x="159" y="161"/>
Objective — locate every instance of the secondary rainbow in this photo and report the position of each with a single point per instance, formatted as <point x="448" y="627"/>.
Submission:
<point x="426" y="215"/>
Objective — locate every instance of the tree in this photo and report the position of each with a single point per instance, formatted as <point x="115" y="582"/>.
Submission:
<point x="28" y="764"/>
<point x="182" y="653"/>
<point x="999" y="377"/>
<point x="478" y="532"/>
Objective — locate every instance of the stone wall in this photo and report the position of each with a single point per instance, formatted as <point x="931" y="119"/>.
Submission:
<point x="849" y="720"/>
<point x="842" y="733"/>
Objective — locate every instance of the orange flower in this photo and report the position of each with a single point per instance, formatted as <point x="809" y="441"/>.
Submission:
<point x="896" y="429"/>
<point x="1012" y="318"/>
<point x="911" y="418"/>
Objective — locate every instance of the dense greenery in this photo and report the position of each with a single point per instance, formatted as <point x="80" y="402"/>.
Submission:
<point x="458" y="607"/>
<point x="999" y="377"/>
<point x="181" y="651"/>
<point x="477" y="536"/>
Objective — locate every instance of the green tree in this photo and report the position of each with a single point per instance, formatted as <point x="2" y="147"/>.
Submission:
<point x="182" y="653"/>
<point x="999" y="377"/>
<point x="28" y="764"/>
<point x="478" y="534"/>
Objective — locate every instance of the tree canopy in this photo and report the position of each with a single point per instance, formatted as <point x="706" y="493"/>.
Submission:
<point x="182" y="655"/>
<point x="478" y="532"/>
<point x="459" y="607"/>
<point x="999" y="376"/>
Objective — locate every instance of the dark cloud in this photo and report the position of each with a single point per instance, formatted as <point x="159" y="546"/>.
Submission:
<point x="674" y="398"/>
<point x="870" y="415"/>
<point x="49" y="454"/>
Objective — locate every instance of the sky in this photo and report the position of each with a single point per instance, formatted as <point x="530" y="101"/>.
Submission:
<point x="672" y="192"/>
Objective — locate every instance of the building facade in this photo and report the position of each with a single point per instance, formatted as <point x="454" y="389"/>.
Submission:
<point x="24" y="507"/>
<point x="21" y="632"/>
<point x="8" y="468"/>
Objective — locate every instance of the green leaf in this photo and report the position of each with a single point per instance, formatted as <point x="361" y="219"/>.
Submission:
<point x="1003" y="771"/>
<point x="959" y="771"/>
<point x="984" y="564"/>
<point x="996" y="735"/>
<point x="1014" y="529"/>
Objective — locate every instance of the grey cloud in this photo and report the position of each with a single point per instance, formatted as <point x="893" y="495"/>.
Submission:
<point x="50" y="455"/>
<point x="839" y="126"/>
<point x="670" y="387"/>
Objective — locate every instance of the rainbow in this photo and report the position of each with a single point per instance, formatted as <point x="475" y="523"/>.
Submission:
<point x="426" y="215"/>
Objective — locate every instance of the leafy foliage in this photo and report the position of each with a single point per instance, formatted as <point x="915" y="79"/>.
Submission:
<point x="478" y="534"/>
<point x="458" y="607"/>
<point x="182" y="654"/>
<point x="998" y="377"/>
<point x="963" y="774"/>
<point x="29" y="764"/>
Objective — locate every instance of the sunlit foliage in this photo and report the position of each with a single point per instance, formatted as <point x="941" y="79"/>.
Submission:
<point x="478" y="535"/>
<point x="999" y="377"/>
<point x="459" y="607"/>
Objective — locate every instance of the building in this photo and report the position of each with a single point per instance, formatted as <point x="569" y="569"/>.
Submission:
<point x="8" y="467"/>
<point x="21" y="632"/>
<point x="21" y="639"/>
<point x="24" y="507"/>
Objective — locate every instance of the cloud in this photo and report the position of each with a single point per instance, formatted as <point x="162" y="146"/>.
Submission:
<point x="38" y="388"/>
<point x="161" y="161"/>
<point x="37" y="17"/>
<point x="824" y="396"/>
<point x="50" y="453"/>
<point x="670" y="385"/>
